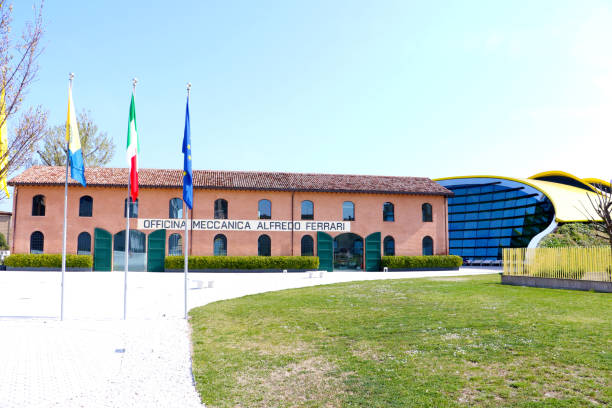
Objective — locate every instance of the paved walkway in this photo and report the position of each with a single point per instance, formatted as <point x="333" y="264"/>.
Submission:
<point x="95" y="359"/>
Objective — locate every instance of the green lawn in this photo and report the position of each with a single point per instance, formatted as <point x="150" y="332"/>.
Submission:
<point x="436" y="342"/>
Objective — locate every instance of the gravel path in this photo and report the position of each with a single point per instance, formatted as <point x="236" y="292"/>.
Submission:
<point x="95" y="359"/>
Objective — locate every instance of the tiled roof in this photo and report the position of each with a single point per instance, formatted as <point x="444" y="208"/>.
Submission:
<point x="237" y="180"/>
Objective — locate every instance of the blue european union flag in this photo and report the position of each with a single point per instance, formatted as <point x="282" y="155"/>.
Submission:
<point x="187" y="172"/>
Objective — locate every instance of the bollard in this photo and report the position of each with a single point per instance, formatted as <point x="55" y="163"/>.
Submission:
<point x="320" y="274"/>
<point x="309" y="275"/>
<point x="385" y="269"/>
<point x="211" y="284"/>
<point x="284" y="271"/>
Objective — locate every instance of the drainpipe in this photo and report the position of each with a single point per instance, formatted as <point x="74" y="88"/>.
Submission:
<point x="13" y="218"/>
<point x="292" y="196"/>
<point x="446" y="224"/>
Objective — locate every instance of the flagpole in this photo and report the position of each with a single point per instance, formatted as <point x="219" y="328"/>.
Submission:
<point x="70" y="76"/>
<point x="186" y="252"/>
<point x="127" y="228"/>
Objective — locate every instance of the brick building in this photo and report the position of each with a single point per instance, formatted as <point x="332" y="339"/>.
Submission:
<point x="385" y="215"/>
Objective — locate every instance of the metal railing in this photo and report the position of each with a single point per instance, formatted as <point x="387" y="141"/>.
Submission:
<point x="594" y="263"/>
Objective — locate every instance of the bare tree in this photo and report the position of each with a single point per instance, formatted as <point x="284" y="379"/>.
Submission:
<point x="18" y="63"/>
<point x="98" y="148"/>
<point x="602" y="206"/>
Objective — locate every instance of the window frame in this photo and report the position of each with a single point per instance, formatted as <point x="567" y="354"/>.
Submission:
<point x="259" y="203"/>
<point x="82" y="202"/>
<point x="133" y="204"/>
<point x="352" y="208"/>
<point x="387" y="239"/>
<point x="225" y="212"/>
<point x="260" y="243"/>
<point x="42" y="241"/>
<point x="423" y="245"/>
<point x="307" y="216"/>
<point x="171" y="207"/>
<point x="224" y="240"/>
<point x="386" y="213"/>
<point x="39" y="206"/>
<point x="79" y="250"/>
<point x="180" y="245"/>
<point x="427" y="216"/>
<point x="309" y="238"/>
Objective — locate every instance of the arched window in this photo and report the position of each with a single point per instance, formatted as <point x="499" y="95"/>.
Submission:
<point x="427" y="216"/>
<point x="389" y="246"/>
<point x="264" y="246"/>
<point x="348" y="211"/>
<point x="220" y="209"/>
<point x="38" y="205"/>
<point x="133" y="208"/>
<point x="388" y="212"/>
<point x="220" y="245"/>
<point x="175" y="208"/>
<point x="86" y="206"/>
<point x="427" y="246"/>
<point x="175" y="245"/>
<point x="84" y="244"/>
<point x="307" y="246"/>
<point x="264" y="210"/>
<point x="307" y="210"/>
<point x="37" y="242"/>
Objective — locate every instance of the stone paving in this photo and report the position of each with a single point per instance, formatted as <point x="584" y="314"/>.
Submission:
<point x="95" y="359"/>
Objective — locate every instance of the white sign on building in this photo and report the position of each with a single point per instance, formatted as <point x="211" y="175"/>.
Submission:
<point x="243" y="225"/>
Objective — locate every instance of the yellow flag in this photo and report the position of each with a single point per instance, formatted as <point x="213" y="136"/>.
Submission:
<point x="3" y="144"/>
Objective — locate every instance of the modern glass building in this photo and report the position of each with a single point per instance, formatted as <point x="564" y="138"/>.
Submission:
<point x="489" y="213"/>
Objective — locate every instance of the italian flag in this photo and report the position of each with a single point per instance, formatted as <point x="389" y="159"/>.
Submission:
<point x="133" y="148"/>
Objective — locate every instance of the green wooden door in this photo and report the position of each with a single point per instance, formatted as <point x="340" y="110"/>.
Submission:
<point x="325" y="251"/>
<point x="103" y="250"/>
<point x="156" y="251"/>
<point x="372" y="252"/>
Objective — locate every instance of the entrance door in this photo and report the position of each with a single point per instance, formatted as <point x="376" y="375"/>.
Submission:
<point x="325" y="251"/>
<point x="137" y="255"/>
<point x="372" y="252"/>
<point x="348" y="252"/>
<point x="102" y="250"/>
<point x="157" y="251"/>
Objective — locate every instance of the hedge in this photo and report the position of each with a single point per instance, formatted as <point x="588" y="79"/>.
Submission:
<point x="421" y="262"/>
<point x="48" y="261"/>
<point x="244" y="262"/>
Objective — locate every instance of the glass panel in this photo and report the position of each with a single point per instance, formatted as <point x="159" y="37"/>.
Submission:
<point x="264" y="210"/>
<point x="175" y="245"/>
<point x="348" y="211"/>
<point x="175" y="208"/>
<point x="264" y="246"/>
<point x="220" y="209"/>
<point x="220" y="245"/>
<point x="307" y="210"/>
<point x="307" y="246"/>
<point x="469" y="234"/>
<point x="84" y="244"/>
<point x="85" y="206"/>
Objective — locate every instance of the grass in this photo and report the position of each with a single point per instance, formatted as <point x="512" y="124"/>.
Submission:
<point x="436" y="342"/>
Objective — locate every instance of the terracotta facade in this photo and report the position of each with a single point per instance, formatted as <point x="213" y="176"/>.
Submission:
<point x="408" y="229"/>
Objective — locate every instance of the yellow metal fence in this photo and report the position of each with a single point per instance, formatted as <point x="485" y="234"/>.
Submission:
<point x="593" y="263"/>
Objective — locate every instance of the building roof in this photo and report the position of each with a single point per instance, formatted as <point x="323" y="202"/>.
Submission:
<point x="237" y="180"/>
<point x="571" y="203"/>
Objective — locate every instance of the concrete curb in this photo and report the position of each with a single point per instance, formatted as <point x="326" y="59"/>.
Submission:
<point x="553" y="283"/>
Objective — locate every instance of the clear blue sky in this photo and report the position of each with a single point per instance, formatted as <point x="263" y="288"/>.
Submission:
<point x="367" y="87"/>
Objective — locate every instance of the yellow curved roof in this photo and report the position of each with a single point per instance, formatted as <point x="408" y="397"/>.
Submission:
<point x="571" y="203"/>
<point x="560" y="173"/>
<point x="593" y="180"/>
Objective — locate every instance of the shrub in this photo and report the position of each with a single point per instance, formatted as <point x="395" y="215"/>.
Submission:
<point x="48" y="261"/>
<point x="3" y="244"/>
<point x="243" y="262"/>
<point x="421" y="262"/>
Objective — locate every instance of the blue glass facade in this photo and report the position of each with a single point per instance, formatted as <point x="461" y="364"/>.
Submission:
<point x="488" y="214"/>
